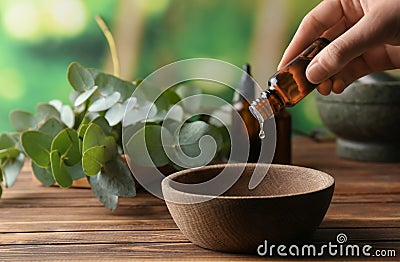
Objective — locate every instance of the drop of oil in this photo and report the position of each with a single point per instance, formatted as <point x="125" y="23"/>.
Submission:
<point x="261" y="135"/>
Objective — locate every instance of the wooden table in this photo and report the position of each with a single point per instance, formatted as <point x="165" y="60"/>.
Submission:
<point x="39" y="223"/>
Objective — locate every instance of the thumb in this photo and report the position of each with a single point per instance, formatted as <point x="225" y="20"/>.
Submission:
<point x="351" y="44"/>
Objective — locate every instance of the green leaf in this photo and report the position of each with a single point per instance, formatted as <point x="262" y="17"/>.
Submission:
<point x="108" y="84"/>
<point x="192" y="105"/>
<point x="46" y="112"/>
<point x="11" y="152"/>
<point x="37" y="146"/>
<point x="79" y="77"/>
<point x="59" y="170"/>
<point x="103" y="123"/>
<point x="52" y="127"/>
<point x="44" y="175"/>
<point x="76" y="171"/>
<point x="191" y="133"/>
<point x="8" y="146"/>
<point x="94" y="136"/>
<point x="82" y="130"/>
<point x="198" y="144"/>
<point x="12" y="169"/>
<point x="166" y="99"/>
<point x="145" y="147"/>
<point x="104" y="103"/>
<point x="117" y="179"/>
<point x="67" y="144"/>
<point x="67" y="116"/>
<point x="93" y="160"/>
<point x="82" y="98"/>
<point x="108" y="200"/>
<point x="22" y="121"/>
<point x="6" y="141"/>
<point x="94" y="72"/>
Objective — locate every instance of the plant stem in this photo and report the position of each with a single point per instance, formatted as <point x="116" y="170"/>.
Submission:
<point x="111" y="44"/>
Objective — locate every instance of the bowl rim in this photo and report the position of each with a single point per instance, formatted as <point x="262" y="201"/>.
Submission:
<point x="166" y="182"/>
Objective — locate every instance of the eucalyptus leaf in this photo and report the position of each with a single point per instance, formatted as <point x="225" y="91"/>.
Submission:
<point x="22" y="121"/>
<point x="57" y="104"/>
<point x="130" y="103"/>
<point x="46" y="112"/>
<point x="67" y="116"/>
<point x="59" y="170"/>
<point x="93" y="160"/>
<point x="67" y="144"/>
<point x="94" y="72"/>
<point x="37" y="146"/>
<point x="175" y="113"/>
<point x="103" y="123"/>
<point x="11" y="152"/>
<point x="82" y="130"/>
<point x="44" y="175"/>
<point x="159" y="117"/>
<point x="192" y="106"/>
<point x="198" y="144"/>
<point x="76" y="171"/>
<point x="191" y="133"/>
<point x="83" y="97"/>
<point x="94" y="136"/>
<point x="109" y="84"/>
<point x="172" y="125"/>
<point x="108" y="200"/>
<point x="139" y="112"/>
<point x="73" y="96"/>
<point x="79" y="77"/>
<point x="52" y="127"/>
<point x="6" y="141"/>
<point x="115" y="114"/>
<point x="117" y="179"/>
<point x="12" y="169"/>
<point x="166" y="99"/>
<point x="104" y="103"/>
<point x="145" y="147"/>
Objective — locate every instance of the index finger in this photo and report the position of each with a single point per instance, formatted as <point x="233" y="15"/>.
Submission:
<point x="325" y="15"/>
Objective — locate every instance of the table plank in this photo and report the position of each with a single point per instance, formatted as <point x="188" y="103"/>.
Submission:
<point x="49" y="223"/>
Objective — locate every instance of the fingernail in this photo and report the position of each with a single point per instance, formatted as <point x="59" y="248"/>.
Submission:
<point x="315" y="73"/>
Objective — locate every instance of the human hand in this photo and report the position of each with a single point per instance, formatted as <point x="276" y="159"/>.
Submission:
<point x="365" y="37"/>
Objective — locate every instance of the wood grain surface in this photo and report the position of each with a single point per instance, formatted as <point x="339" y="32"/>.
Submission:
<point x="50" y="224"/>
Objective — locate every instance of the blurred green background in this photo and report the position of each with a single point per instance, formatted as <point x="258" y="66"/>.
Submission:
<point x="39" y="38"/>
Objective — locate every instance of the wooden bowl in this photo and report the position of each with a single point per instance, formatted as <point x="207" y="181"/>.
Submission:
<point x="287" y="206"/>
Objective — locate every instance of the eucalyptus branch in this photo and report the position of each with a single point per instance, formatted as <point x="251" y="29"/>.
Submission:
<point x="111" y="44"/>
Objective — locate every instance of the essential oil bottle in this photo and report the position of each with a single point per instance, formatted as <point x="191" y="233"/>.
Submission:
<point x="241" y="105"/>
<point x="287" y="86"/>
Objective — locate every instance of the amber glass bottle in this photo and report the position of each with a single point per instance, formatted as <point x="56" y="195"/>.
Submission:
<point x="241" y="105"/>
<point x="282" y="120"/>
<point x="287" y="86"/>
